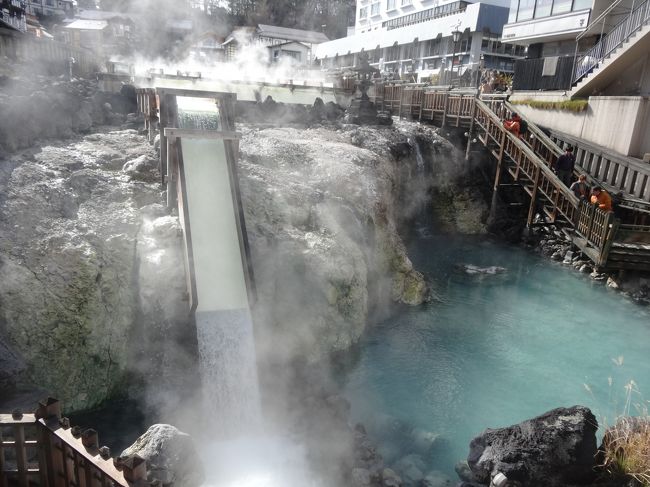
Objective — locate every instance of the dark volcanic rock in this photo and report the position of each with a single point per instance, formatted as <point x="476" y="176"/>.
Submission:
<point x="557" y="448"/>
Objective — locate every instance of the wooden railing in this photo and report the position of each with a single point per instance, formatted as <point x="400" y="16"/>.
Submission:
<point x="42" y="449"/>
<point x="148" y="107"/>
<point x="598" y="228"/>
<point x="617" y="172"/>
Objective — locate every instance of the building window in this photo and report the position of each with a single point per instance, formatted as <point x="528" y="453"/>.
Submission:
<point x="406" y="3"/>
<point x="390" y="4"/>
<point x="512" y="15"/>
<point x="561" y="6"/>
<point x="582" y="4"/>
<point x="392" y="53"/>
<point x="432" y="47"/>
<point x="526" y="9"/>
<point x="374" y="9"/>
<point x="363" y="12"/>
<point x="543" y="8"/>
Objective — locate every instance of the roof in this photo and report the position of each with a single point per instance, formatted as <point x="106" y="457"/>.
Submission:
<point x="87" y="25"/>
<point x="101" y="15"/>
<point x="287" y="43"/>
<point x="476" y="18"/>
<point x="299" y="35"/>
<point x="179" y="24"/>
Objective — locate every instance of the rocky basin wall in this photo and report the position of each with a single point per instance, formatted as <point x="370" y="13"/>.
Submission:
<point x="91" y="279"/>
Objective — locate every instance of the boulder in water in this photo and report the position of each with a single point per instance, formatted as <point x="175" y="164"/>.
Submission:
<point x="555" y="449"/>
<point x="170" y="454"/>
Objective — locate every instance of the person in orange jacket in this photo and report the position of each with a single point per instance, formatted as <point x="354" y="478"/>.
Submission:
<point x="513" y="124"/>
<point x="601" y="198"/>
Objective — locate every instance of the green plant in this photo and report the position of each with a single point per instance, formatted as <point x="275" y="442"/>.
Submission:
<point x="579" y="105"/>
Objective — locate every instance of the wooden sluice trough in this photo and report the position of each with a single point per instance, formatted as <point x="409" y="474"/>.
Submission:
<point x="43" y="449"/>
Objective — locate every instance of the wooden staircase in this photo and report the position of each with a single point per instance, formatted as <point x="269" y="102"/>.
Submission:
<point x="609" y="241"/>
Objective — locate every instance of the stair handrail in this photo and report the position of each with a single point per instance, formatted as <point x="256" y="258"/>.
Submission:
<point x="611" y="41"/>
<point x="567" y="193"/>
<point x="598" y="19"/>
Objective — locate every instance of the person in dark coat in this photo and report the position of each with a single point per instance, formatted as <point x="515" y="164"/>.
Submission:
<point x="581" y="188"/>
<point x="564" y="166"/>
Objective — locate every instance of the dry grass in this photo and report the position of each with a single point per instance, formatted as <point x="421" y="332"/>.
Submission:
<point x="626" y="449"/>
<point x="568" y="105"/>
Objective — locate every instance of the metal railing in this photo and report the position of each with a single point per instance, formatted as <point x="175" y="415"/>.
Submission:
<point x="615" y="38"/>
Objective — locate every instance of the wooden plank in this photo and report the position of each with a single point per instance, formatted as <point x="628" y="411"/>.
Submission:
<point x="175" y="133"/>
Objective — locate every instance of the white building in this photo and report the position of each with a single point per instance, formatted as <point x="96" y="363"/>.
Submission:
<point x="593" y="49"/>
<point x="415" y="38"/>
<point x="390" y="14"/>
<point x="59" y="8"/>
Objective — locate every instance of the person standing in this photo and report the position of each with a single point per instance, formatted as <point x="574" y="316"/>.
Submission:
<point x="601" y="198"/>
<point x="580" y="187"/>
<point x="565" y="165"/>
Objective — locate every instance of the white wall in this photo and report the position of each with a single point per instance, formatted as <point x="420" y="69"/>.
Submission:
<point x="619" y="123"/>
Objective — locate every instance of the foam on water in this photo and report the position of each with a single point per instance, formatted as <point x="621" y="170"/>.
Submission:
<point x="497" y="350"/>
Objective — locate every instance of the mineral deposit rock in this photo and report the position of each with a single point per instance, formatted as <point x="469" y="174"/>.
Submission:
<point x="170" y="454"/>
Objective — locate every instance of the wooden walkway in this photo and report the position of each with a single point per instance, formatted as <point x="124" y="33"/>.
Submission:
<point x="620" y="241"/>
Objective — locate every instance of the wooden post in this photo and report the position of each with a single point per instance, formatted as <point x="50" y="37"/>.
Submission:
<point x="497" y="178"/>
<point x="533" y="197"/>
<point x="611" y="227"/>
<point x="469" y="132"/>
<point x="592" y="214"/>
<point x="444" y="111"/>
<point x="162" y="124"/>
<point x="21" y="454"/>
<point x="171" y="163"/>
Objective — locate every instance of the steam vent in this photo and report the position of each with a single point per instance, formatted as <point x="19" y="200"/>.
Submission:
<point x="409" y="252"/>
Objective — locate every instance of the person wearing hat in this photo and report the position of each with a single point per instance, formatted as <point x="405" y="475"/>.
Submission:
<point x="601" y="198"/>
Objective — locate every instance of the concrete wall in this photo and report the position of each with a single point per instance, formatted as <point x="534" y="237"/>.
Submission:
<point x="620" y="123"/>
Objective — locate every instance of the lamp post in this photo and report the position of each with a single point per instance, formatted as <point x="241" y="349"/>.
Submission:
<point x="479" y="72"/>
<point x="455" y="37"/>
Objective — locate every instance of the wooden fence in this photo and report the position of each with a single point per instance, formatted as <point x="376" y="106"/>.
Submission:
<point x="43" y="450"/>
<point x="56" y="55"/>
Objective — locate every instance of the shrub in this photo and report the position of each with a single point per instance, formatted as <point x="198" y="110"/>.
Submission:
<point x="579" y="105"/>
<point x="626" y="449"/>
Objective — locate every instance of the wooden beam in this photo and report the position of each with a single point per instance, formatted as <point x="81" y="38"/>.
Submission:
<point x="175" y="133"/>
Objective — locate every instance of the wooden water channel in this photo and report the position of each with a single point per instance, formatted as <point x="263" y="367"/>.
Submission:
<point x="42" y="449"/>
<point x="611" y="241"/>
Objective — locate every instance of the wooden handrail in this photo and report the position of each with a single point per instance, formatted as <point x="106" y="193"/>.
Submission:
<point x="66" y="456"/>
